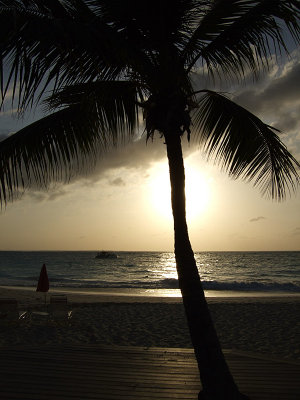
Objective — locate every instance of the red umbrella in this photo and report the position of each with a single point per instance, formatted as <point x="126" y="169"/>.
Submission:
<point x="43" y="283"/>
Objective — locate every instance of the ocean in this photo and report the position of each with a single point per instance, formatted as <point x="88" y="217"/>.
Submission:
<point x="268" y="272"/>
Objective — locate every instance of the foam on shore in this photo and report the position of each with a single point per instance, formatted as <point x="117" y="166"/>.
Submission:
<point x="99" y="295"/>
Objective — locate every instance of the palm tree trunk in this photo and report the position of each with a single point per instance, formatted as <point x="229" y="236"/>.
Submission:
<point x="217" y="381"/>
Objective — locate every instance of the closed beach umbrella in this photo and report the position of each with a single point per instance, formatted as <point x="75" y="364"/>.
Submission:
<point x="43" y="283"/>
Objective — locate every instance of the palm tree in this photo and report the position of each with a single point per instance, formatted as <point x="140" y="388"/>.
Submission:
<point x="96" y="64"/>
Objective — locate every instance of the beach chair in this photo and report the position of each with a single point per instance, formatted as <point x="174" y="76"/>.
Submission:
<point x="59" y="308"/>
<point x="39" y="317"/>
<point x="9" y="310"/>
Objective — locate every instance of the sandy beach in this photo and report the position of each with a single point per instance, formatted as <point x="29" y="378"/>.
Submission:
<point x="260" y="324"/>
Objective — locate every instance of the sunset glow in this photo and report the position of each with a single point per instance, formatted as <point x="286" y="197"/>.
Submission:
<point x="197" y="192"/>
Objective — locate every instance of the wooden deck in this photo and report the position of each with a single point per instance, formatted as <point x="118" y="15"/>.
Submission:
<point x="129" y="373"/>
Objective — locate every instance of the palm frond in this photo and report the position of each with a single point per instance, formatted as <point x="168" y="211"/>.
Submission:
<point x="70" y="47"/>
<point x="244" y="146"/>
<point x="97" y="118"/>
<point x="154" y="23"/>
<point x="236" y="35"/>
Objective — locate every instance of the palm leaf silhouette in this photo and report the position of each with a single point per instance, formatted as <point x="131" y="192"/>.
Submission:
<point x="244" y="146"/>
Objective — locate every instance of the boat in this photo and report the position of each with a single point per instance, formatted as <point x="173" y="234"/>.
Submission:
<point x="106" y="254"/>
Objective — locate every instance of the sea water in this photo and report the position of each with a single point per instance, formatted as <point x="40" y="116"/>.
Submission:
<point x="267" y="272"/>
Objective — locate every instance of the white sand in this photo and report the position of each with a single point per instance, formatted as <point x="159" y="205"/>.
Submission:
<point x="266" y="325"/>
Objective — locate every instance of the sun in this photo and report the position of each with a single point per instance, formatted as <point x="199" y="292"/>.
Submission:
<point x="197" y="191"/>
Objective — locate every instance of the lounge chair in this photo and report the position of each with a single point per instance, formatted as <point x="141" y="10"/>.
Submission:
<point x="9" y="310"/>
<point x="58" y="308"/>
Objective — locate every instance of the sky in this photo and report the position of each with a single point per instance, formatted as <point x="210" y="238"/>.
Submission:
<point x="124" y="202"/>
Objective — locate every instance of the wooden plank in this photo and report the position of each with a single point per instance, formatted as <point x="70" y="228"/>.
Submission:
<point x="111" y="373"/>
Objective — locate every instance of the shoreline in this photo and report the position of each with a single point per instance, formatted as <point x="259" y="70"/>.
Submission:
<point x="130" y="295"/>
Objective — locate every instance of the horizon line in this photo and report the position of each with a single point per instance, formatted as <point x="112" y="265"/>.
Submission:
<point x="151" y="251"/>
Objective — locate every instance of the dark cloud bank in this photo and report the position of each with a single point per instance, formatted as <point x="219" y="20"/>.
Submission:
<point x="275" y="98"/>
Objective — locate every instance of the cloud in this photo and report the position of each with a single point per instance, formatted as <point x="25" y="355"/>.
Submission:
<point x="51" y="194"/>
<point x="11" y="112"/>
<point x="117" y="182"/>
<point x="277" y="92"/>
<point x="296" y="232"/>
<point x="4" y="133"/>
<point x="137" y="155"/>
<point x="276" y="100"/>
<point x="115" y="168"/>
<point x="257" y="219"/>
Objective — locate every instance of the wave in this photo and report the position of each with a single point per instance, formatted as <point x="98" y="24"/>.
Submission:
<point x="166" y="283"/>
<point x="4" y="274"/>
<point x="163" y="284"/>
<point x="173" y="284"/>
<point x="252" y="286"/>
